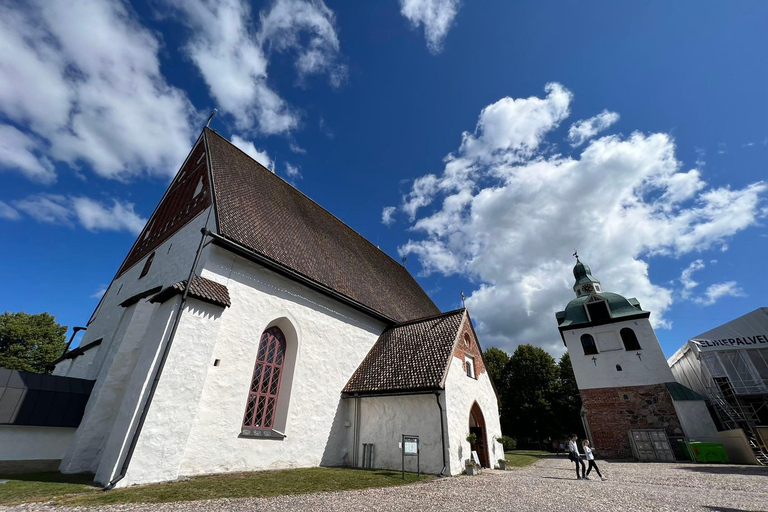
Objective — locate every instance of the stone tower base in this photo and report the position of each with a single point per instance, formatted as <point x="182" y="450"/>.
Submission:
<point x="613" y="412"/>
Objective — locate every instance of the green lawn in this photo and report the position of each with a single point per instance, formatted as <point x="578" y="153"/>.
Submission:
<point x="67" y="490"/>
<point x="43" y="487"/>
<point x="521" y="458"/>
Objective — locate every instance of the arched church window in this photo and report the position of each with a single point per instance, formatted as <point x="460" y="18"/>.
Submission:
<point x="588" y="344"/>
<point x="265" y="384"/>
<point x="630" y="339"/>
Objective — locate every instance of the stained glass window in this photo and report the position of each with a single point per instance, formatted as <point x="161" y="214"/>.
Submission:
<point x="265" y="384"/>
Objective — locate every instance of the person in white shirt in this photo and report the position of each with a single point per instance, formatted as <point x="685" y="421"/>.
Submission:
<point x="591" y="459"/>
<point x="573" y="454"/>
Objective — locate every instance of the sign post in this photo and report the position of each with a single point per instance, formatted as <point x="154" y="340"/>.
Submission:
<point x="410" y="448"/>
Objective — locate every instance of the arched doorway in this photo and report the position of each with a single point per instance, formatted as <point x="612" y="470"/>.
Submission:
<point x="477" y="427"/>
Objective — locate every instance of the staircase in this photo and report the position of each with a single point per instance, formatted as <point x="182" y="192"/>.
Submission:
<point x="734" y="414"/>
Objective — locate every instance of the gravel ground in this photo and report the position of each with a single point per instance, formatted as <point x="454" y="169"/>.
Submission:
<point x="548" y="485"/>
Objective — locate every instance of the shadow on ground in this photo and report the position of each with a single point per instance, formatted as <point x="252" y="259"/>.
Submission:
<point x="728" y="470"/>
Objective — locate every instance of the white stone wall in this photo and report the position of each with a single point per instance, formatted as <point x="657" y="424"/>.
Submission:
<point x="326" y="342"/>
<point x="172" y="262"/>
<point x="650" y="368"/>
<point x="80" y="365"/>
<point x="383" y="420"/>
<point x="33" y="443"/>
<point x="461" y="392"/>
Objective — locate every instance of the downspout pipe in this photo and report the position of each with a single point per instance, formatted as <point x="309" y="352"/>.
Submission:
<point x="159" y="371"/>
<point x="442" y="431"/>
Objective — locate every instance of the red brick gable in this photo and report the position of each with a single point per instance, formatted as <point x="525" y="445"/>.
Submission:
<point x="179" y="205"/>
<point x="467" y="345"/>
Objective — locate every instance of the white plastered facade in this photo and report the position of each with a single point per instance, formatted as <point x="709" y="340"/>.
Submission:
<point x="193" y="424"/>
<point x="601" y="372"/>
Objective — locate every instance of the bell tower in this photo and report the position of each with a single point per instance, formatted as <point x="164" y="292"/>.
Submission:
<point x="620" y="369"/>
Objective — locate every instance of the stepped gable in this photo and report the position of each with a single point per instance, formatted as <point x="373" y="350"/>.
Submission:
<point x="408" y="357"/>
<point x="262" y="212"/>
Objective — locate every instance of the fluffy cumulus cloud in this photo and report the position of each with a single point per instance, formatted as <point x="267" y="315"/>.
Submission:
<point x="89" y="213"/>
<point x="93" y="96"/>
<point x="435" y="15"/>
<point x="232" y="54"/>
<point x="248" y="147"/>
<point x="686" y="277"/>
<point x="581" y="131"/>
<point x="507" y="213"/>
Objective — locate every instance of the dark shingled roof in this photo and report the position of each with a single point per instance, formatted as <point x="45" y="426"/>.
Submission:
<point x="260" y="211"/>
<point x="408" y="357"/>
<point x="201" y="289"/>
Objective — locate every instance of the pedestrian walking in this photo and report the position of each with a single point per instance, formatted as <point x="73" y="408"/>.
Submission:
<point x="573" y="455"/>
<point x="591" y="459"/>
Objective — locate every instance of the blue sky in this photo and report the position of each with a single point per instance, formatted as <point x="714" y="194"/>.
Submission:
<point x="485" y="141"/>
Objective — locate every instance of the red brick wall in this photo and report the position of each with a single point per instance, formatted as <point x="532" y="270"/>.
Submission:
<point x="471" y="349"/>
<point x="612" y="412"/>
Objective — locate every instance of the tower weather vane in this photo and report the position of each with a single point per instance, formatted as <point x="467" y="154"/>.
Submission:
<point x="576" y="254"/>
<point x="463" y="297"/>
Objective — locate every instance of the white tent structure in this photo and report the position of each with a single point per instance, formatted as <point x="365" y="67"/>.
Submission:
<point x="729" y="364"/>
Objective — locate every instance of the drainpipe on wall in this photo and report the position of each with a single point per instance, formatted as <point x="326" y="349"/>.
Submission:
<point x="75" y="330"/>
<point x="442" y="431"/>
<point x="161" y="365"/>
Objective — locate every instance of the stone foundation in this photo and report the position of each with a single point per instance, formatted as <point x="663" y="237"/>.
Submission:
<point x="613" y="412"/>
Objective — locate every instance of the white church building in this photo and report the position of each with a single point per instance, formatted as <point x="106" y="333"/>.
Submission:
<point x="249" y="329"/>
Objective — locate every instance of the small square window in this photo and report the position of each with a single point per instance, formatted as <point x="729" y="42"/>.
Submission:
<point x="469" y="366"/>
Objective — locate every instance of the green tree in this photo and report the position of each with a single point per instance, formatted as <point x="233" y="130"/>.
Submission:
<point x="530" y="383"/>
<point x="495" y="361"/>
<point x="567" y="402"/>
<point x="30" y="342"/>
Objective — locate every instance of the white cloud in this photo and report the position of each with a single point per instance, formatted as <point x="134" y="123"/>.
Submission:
<point x="436" y="16"/>
<point x="292" y="172"/>
<point x="20" y="151"/>
<point x="507" y="131"/>
<point x="297" y="149"/>
<point x="231" y="55"/>
<point x="717" y="291"/>
<point x="510" y="214"/>
<point x="91" y="214"/>
<point x="7" y="212"/>
<point x="95" y="216"/>
<point x="581" y="131"/>
<point x="282" y="28"/>
<point x="98" y="294"/>
<point x="247" y="146"/>
<point x="686" y="277"/>
<point x="93" y="95"/>
<point x="387" y="215"/>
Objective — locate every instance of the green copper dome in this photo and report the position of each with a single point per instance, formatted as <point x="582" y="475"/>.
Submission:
<point x="576" y="314"/>
<point x="582" y="274"/>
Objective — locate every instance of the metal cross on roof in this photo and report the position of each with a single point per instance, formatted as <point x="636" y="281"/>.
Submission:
<point x="463" y="297"/>
<point x="594" y="360"/>
<point x="576" y="254"/>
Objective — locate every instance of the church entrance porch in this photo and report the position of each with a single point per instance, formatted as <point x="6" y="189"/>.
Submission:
<point x="477" y="427"/>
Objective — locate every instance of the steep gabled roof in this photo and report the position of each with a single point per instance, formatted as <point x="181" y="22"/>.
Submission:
<point x="263" y="213"/>
<point x="408" y="357"/>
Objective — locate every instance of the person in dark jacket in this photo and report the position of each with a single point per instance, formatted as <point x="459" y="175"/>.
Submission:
<point x="573" y="454"/>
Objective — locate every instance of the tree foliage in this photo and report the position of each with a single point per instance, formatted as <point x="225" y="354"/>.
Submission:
<point x="539" y="397"/>
<point x="495" y="361"/>
<point x="30" y="343"/>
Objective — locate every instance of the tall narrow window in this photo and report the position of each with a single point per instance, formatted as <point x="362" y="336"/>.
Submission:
<point x="630" y="339"/>
<point x="265" y="384"/>
<point x="147" y="264"/>
<point x="588" y="344"/>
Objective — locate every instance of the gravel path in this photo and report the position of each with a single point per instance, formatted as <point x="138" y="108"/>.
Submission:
<point x="549" y="485"/>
